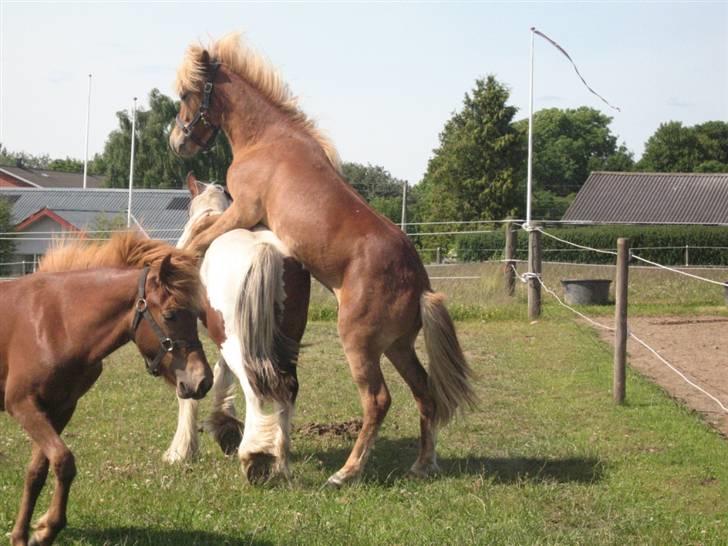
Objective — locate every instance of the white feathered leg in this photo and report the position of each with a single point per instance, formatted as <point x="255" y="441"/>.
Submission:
<point x="184" y="445"/>
<point x="224" y="426"/>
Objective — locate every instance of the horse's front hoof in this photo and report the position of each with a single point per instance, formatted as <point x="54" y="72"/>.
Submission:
<point x="258" y="467"/>
<point x="227" y="431"/>
<point x="174" y="456"/>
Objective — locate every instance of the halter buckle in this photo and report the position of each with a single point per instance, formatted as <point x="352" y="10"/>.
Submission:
<point x="167" y="344"/>
<point x="141" y="305"/>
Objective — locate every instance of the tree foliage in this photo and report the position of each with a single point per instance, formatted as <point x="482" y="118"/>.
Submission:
<point x="155" y="165"/>
<point x="28" y="160"/>
<point x="676" y="148"/>
<point x="472" y="175"/>
<point x="569" y="144"/>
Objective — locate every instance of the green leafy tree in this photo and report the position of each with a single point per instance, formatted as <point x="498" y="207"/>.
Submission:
<point x="27" y="160"/>
<point x="472" y="173"/>
<point x="568" y="145"/>
<point x="68" y="165"/>
<point x="672" y="148"/>
<point x="155" y="166"/>
<point x="713" y="146"/>
<point x="676" y="148"/>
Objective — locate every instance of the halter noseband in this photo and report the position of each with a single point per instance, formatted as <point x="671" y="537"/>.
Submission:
<point x="166" y="344"/>
<point x="202" y="114"/>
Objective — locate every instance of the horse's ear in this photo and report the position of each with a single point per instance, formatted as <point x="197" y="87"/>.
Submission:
<point x="166" y="270"/>
<point x="193" y="184"/>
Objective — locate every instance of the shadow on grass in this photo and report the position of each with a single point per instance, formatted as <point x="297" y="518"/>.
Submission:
<point x="137" y="536"/>
<point x="392" y="458"/>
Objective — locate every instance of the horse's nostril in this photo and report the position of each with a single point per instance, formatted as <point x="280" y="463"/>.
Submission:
<point x="205" y="385"/>
<point x="183" y="390"/>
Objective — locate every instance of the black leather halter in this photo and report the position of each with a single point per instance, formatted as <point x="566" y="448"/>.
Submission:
<point x="202" y="115"/>
<point x="166" y="344"/>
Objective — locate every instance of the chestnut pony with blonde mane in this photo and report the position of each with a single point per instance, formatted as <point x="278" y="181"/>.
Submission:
<point x="285" y="175"/>
<point x="57" y="325"/>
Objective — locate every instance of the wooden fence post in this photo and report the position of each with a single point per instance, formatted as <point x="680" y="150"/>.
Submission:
<point x="510" y="256"/>
<point x="620" y="321"/>
<point x="534" y="267"/>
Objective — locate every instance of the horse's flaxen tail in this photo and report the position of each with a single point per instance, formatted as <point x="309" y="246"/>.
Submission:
<point x="450" y="376"/>
<point x="269" y="357"/>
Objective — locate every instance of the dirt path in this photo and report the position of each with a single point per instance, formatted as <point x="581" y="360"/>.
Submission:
<point x="698" y="347"/>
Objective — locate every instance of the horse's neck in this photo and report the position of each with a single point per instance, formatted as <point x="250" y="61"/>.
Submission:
<point x="110" y="328"/>
<point x="248" y="114"/>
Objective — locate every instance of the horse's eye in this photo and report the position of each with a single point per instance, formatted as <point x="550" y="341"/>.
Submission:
<point x="170" y="315"/>
<point x="184" y="96"/>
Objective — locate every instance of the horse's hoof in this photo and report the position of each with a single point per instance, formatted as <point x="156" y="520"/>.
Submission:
<point x="226" y="430"/>
<point x="427" y="470"/>
<point x="337" y="480"/>
<point x="173" y="456"/>
<point x="257" y="467"/>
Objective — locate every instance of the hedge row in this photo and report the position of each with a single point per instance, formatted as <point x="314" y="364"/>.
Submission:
<point x="490" y="246"/>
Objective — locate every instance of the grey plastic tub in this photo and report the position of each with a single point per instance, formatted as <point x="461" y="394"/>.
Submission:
<point x="586" y="291"/>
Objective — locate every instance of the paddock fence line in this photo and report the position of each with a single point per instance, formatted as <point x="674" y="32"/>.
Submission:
<point x="526" y="277"/>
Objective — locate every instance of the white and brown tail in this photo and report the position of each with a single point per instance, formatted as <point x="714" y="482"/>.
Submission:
<point x="450" y="375"/>
<point x="269" y="357"/>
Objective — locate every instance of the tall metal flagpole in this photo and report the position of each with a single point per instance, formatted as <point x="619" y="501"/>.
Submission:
<point x="131" y="163"/>
<point x="530" y="139"/>
<point x="88" y="114"/>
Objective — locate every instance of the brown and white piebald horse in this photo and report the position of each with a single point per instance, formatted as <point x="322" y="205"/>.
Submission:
<point x="285" y="175"/>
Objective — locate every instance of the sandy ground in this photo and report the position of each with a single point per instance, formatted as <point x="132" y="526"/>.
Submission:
<point x="698" y="347"/>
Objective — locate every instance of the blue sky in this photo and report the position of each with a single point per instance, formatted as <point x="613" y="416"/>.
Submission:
<point x="380" y="78"/>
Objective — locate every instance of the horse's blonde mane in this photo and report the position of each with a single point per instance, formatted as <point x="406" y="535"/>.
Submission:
<point x="232" y="52"/>
<point x="130" y="249"/>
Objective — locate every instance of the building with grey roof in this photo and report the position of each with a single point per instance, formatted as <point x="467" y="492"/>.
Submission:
<point x="41" y="215"/>
<point x="19" y="176"/>
<point x="651" y="198"/>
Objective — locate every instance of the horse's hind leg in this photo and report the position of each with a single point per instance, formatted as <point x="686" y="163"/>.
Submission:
<point x="375" y="401"/>
<point x="224" y="426"/>
<point x="44" y="432"/>
<point x="402" y="354"/>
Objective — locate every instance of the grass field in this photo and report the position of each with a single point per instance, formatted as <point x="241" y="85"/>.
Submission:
<point x="546" y="459"/>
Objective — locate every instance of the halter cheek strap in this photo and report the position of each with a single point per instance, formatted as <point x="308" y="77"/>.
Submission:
<point x="166" y="344"/>
<point x="202" y="114"/>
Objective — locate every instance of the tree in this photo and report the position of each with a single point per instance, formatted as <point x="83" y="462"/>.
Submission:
<point x="380" y="189"/>
<point x="472" y="174"/>
<point x="68" y="165"/>
<point x="676" y="148"/>
<point x="155" y="165"/>
<point x="672" y="148"/>
<point x="27" y="160"/>
<point x="569" y="144"/>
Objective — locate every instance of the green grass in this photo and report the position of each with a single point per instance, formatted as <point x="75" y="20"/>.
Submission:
<point x="546" y="459"/>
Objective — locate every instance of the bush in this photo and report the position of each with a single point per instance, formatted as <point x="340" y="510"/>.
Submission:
<point x="671" y="239"/>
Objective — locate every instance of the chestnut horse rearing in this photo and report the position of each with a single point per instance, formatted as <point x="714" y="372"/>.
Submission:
<point x="58" y="324"/>
<point x="285" y="175"/>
